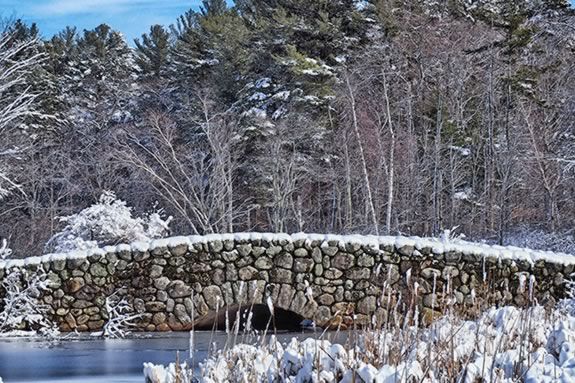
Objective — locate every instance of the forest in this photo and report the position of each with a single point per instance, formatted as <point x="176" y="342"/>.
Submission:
<point x="335" y="116"/>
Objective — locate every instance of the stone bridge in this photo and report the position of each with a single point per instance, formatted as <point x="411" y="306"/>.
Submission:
<point x="334" y="280"/>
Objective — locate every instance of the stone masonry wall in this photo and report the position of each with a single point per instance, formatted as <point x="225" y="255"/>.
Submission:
<point x="325" y="278"/>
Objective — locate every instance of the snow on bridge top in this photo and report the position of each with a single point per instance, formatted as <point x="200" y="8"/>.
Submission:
<point x="438" y="246"/>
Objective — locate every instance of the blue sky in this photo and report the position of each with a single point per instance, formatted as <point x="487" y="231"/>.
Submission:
<point x="131" y="17"/>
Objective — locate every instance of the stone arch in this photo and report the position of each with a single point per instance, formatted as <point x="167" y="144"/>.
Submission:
<point x="174" y="281"/>
<point x="289" y="300"/>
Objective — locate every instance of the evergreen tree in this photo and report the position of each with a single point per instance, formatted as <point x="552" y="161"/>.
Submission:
<point x="211" y="49"/>
<point x="100" y="76"/>
<point x="297" y="46"/>
<point x="153" y="52"/>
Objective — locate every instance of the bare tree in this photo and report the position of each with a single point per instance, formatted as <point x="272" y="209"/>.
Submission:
<point x="356" y="129"/>
<point x="16" y="102"/>
<point x="193" y="172"/>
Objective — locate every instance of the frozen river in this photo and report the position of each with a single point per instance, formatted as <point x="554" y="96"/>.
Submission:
<point x="96" y="360"/>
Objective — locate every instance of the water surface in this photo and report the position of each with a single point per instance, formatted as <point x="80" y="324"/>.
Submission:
<point x="99" y="360"/>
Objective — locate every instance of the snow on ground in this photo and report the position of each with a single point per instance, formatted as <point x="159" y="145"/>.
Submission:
<point x="505" y="345"/>
<point x="437" y="245"/>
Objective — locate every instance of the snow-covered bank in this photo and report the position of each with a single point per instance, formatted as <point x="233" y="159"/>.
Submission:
<point x="438" y="246"/>
<point x="504" y="345"/>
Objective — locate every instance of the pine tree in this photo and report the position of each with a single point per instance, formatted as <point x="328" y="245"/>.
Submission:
<point x="100" y="76"/>
<point x="153" y="52"/>
<point x="211" y="48"/>
<point x="297" y="46"/>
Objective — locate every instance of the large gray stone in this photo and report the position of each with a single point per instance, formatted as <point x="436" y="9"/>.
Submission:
<point x="301" y="252"/>
<point x="213" y="297"/>
<point x="141" y="255"/>
<point x="156" y="271"/>
<point x="326" y="299"/>
<point x="155" y="307"/>
<point x="228" y="293"/>
<point x="264" y="263"/>
<point x="322" y="315"/>
<point x="391" y="274"/>
<point x="218" y="276"/>
<point x="179" y="250"/>
<point x="216" y="246"/>
<point x="161" y="283"/>
<point x="179" y="289"/>
<point x="343" y="261"/>
<point x="430" y="273"/>
<point x="285" y="297"/>
<point x="182" y="314"/>
<point x="365" y="260"/>
<point x="256" y="291"/>
<point x="54" y="281"/>
<point x="244" y="249"/>
<point x="358" y="273"/>
<point x="281" y="276"/>
<point x="273" y="250"/>
<point x="59" y="264"/>
<point x="450" y="272"/>
<point x="298" y="302"/>
<point x="329" y="250"/>
<point x="303" y="265"/>
<point x="230" y="256"/>
<point x="406" y="250"/>
<point x="284" y="260"/>
<point x="98" y="270"/>
<point x="247" y="273"/>
<point x="231" y="272"/>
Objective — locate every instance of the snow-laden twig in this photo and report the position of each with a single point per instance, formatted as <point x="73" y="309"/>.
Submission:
<point x="5" y="251"/>
<point x="121" y="316"/>
<point x="22" y="307"/>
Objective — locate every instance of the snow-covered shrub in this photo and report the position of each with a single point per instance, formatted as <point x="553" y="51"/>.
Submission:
<point x="21" y="307"/>
<point x="173" y="373"/>
<point x="108" y="222"/>
<point x="121" y="317"/>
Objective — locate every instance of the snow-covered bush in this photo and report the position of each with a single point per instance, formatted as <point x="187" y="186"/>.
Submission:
<point x="108" y="222"/>
<point x="173" y="373"/>
<point x="22" y="310"/>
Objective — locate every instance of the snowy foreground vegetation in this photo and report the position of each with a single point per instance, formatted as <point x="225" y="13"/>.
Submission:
<point x="504" y="345"/>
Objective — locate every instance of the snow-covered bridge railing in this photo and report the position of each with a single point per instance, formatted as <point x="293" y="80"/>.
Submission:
<point x="330" y="279"/>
